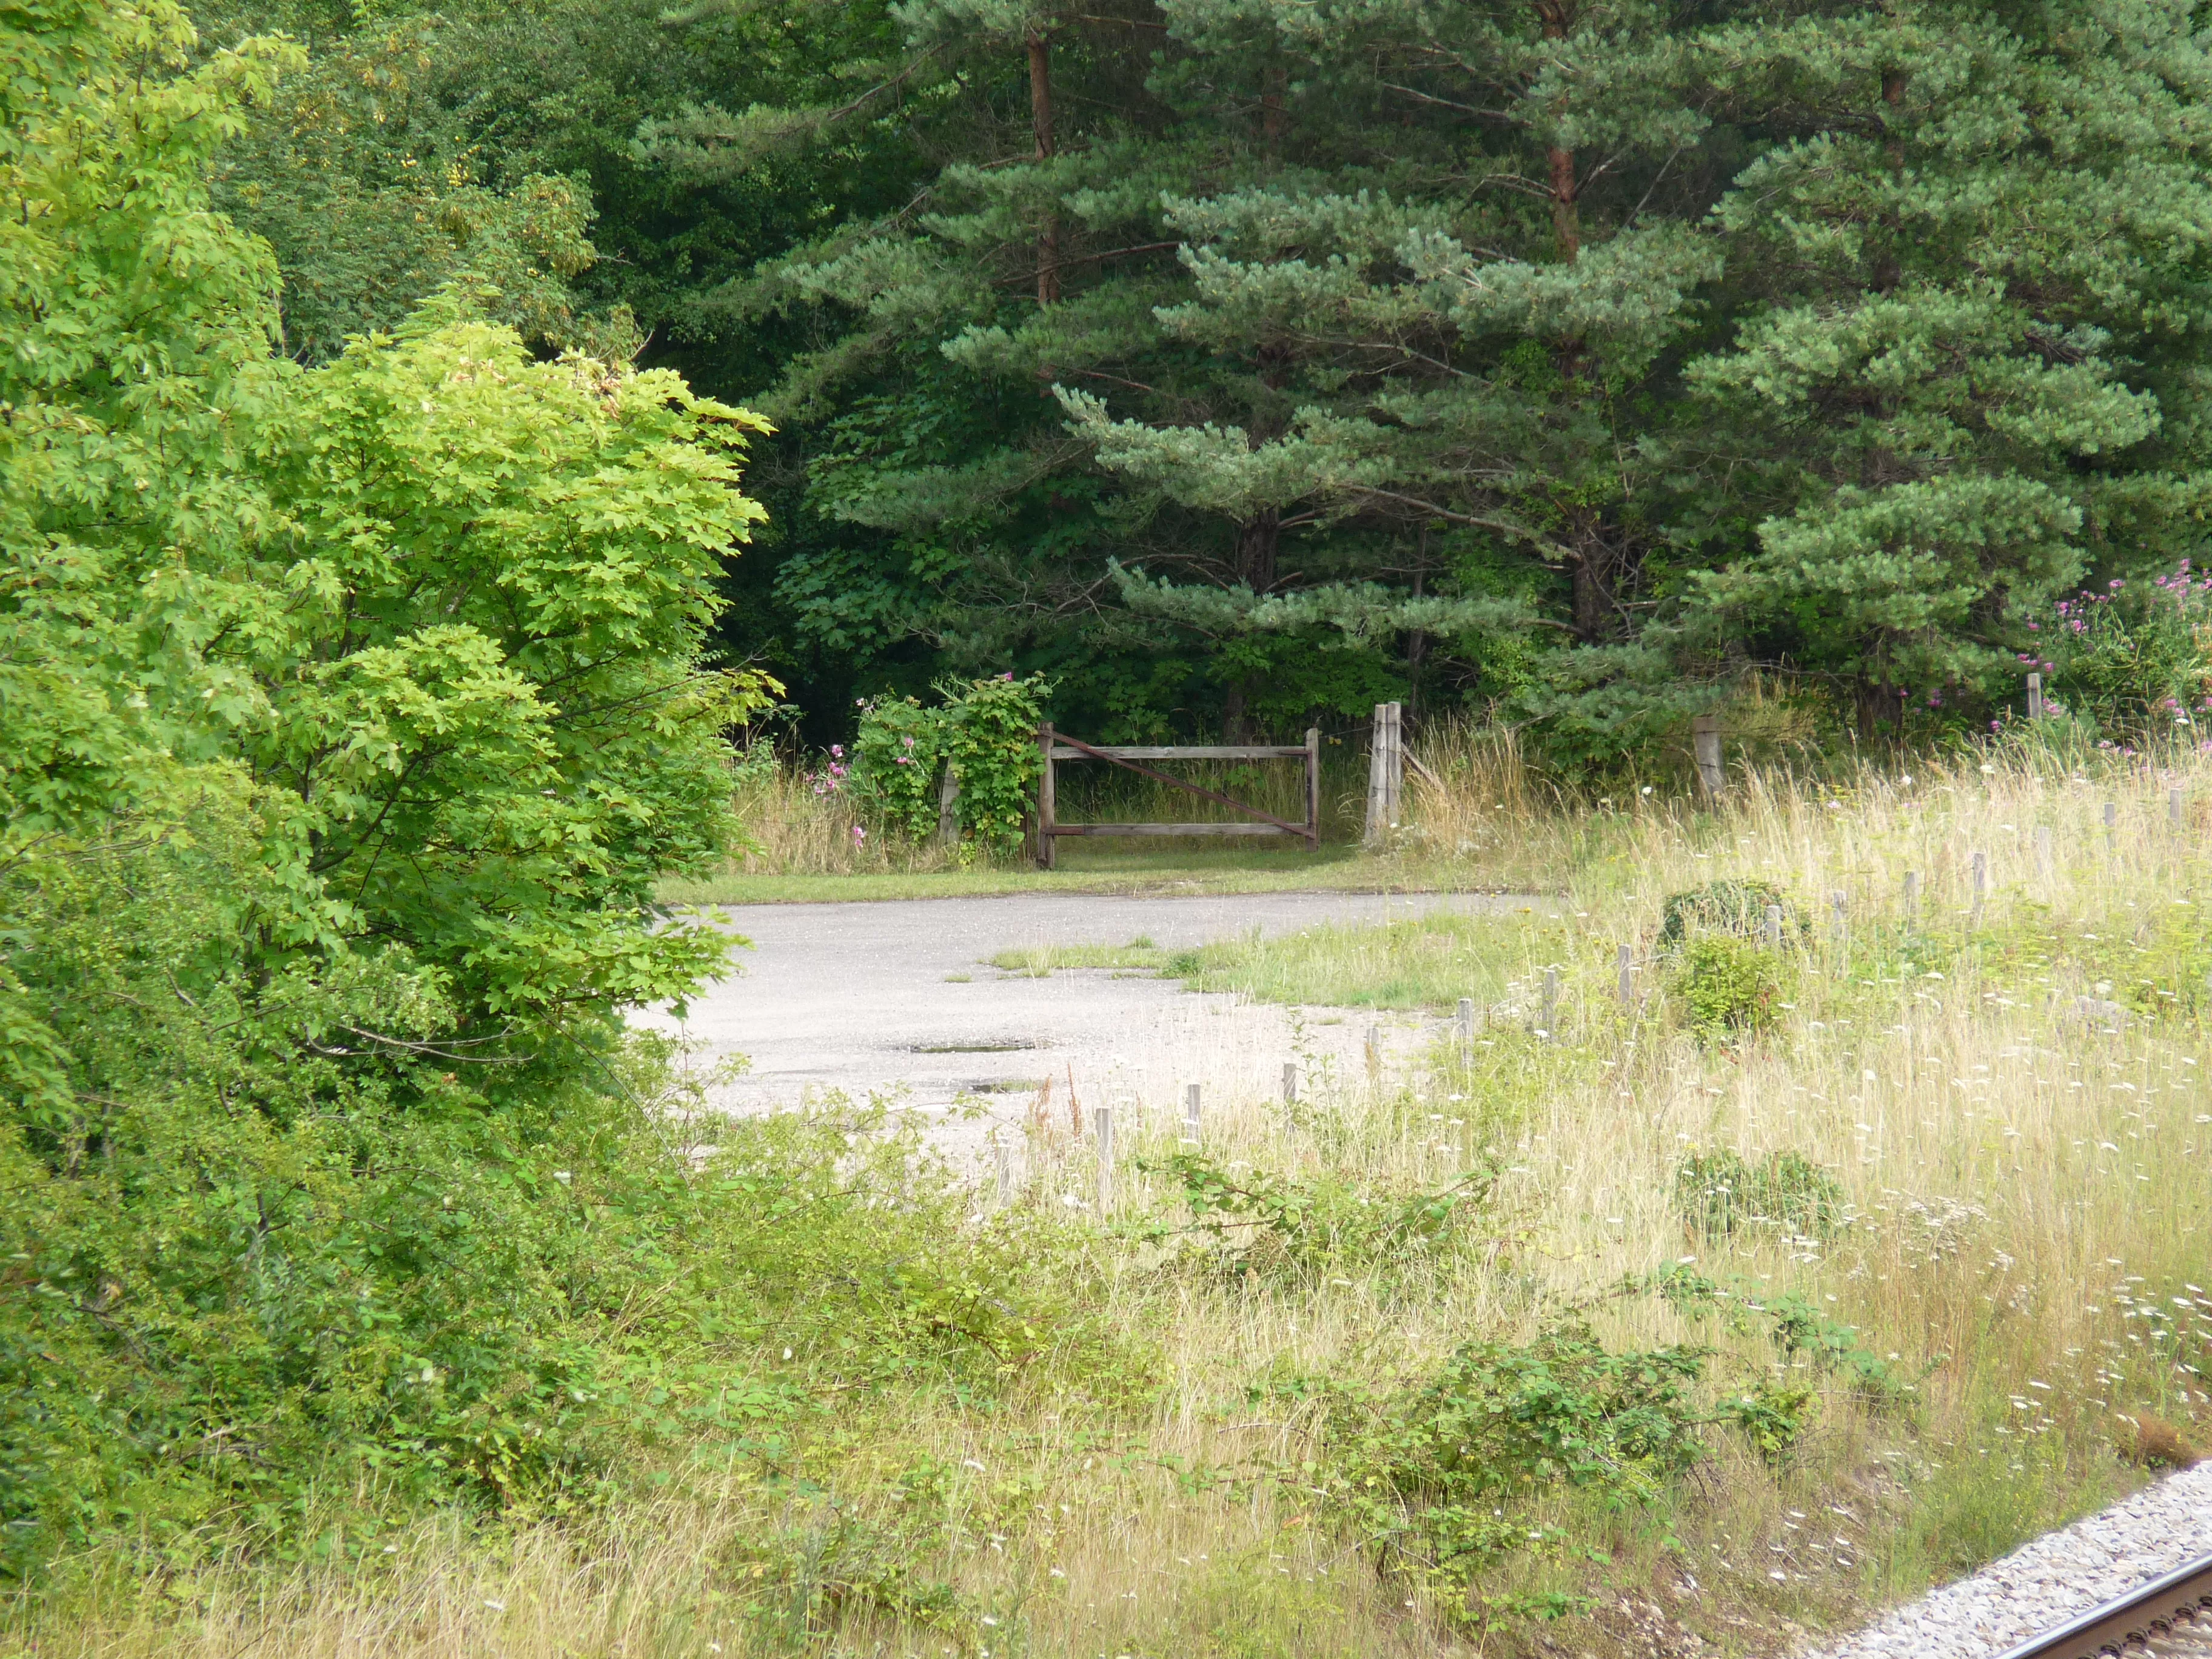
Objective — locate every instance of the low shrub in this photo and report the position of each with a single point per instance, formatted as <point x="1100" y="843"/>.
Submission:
<point x="1281" y="1226"/>
<point x="1719" y="1192"/>
<point x="1439" y="1475"/>
<point x="1727" y="985"/>
<point x="270" y="1233"/>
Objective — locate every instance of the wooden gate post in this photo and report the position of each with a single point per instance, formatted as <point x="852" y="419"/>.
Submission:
<point x="1313" y="789"/>
<point x="1394" y="775"/>
<point x="1705" y="739"/>
<point x="1046" y="815"/>
<point x="1386" y="771"/>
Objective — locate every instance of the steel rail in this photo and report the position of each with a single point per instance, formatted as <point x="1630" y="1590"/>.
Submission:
<point x="2143" y="1613"/>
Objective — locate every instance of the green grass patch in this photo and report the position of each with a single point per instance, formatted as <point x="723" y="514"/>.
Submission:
<point x="1427" y="962"/>
<point x="1164" y="871"/>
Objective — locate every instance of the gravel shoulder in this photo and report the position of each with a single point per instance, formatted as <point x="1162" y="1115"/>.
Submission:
<point x="896" y="999"/>
<point x="2042" y="1584"/>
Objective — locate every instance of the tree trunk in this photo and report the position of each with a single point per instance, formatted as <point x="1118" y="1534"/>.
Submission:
<point x="1596" y="570"/>
<point x="1887" y="269"/>
<point x="1256" y="540"/>
<point x="1048" y="277"/>
<point x="1275" y="115"/>
<point x="1566" y="219"/>
<point x="1235" y="726"/>
<point x="1566" y="222"/>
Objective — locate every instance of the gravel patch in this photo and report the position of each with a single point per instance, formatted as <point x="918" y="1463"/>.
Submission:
<point x="2042" y="1584"/>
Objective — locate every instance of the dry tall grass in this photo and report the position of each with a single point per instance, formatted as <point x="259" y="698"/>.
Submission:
<point x="2020" y="1139"/>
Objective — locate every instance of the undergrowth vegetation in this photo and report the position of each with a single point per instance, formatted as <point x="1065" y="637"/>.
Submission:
<point x="1621" y="1324"/>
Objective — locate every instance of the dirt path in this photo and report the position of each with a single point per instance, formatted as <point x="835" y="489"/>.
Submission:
<point x="897" y="999"/>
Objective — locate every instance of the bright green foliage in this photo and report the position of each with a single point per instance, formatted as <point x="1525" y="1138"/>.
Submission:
<point x="1727" y="985"/>
<point x="475" y="642"/>
<point x="345" y="719"/>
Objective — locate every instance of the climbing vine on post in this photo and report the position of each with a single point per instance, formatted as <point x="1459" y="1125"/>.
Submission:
<point x="985" y="731"/>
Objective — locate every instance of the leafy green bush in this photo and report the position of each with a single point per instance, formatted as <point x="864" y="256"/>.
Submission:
<point x="1718" y="1193"/>
<point x="1737" y="907"/>
<point x="351" y="715"/>
<point x="896" y="753"/>
<point x="1439" y="1475"/>
<point x="1277" y="1225"/>
<point x="1727" y="984"/>
<point x="986" y="732"/>
<point x="276" y="1235"/>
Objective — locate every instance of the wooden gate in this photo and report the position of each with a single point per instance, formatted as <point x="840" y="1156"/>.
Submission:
<point x="1058" y="746"/>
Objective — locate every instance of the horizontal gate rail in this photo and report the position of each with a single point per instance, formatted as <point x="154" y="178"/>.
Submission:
<point x="1058" y="746"/>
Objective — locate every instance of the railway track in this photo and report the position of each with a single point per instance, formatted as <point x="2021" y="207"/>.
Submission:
<point x="2169" y="1618"/>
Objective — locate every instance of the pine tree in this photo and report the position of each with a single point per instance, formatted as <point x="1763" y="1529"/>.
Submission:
<point x="1970" y="312"/>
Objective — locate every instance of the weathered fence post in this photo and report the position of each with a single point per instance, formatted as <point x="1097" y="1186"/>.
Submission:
<point x="1627" y="976"/>
<point x="1048" y="803"/>
<point x="1774" y="926"/>
<point x="1911" y="898"/>
<point x="2173" y="813"/>
<point x="2043" y="859"/>
<point x="1551" y="1015"/>
<point x="1191" y="1113"/>
<point x="1102" y="1118"/>
<point x="1004" y="1158"/>
<point x="1705" y="741"/>
<point x="948" y="806"/>
<point x="2035" y="696"/>
<point x="1981" y="883"/>
<point x="1386" y="771"/>
<point x="2112" y="828"/>
<point x="1289" y="1083"/>
<point x="1466" y="1015"/>
<point x="1313" y="789"/>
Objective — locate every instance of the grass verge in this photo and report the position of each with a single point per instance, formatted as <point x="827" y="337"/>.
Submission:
<point x="1426" y="962"/>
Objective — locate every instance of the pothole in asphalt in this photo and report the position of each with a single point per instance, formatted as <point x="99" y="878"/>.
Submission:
<point x="1014" y="1045"/>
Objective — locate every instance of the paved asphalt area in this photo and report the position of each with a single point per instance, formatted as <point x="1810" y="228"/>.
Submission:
<point x="895" y="999"/>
